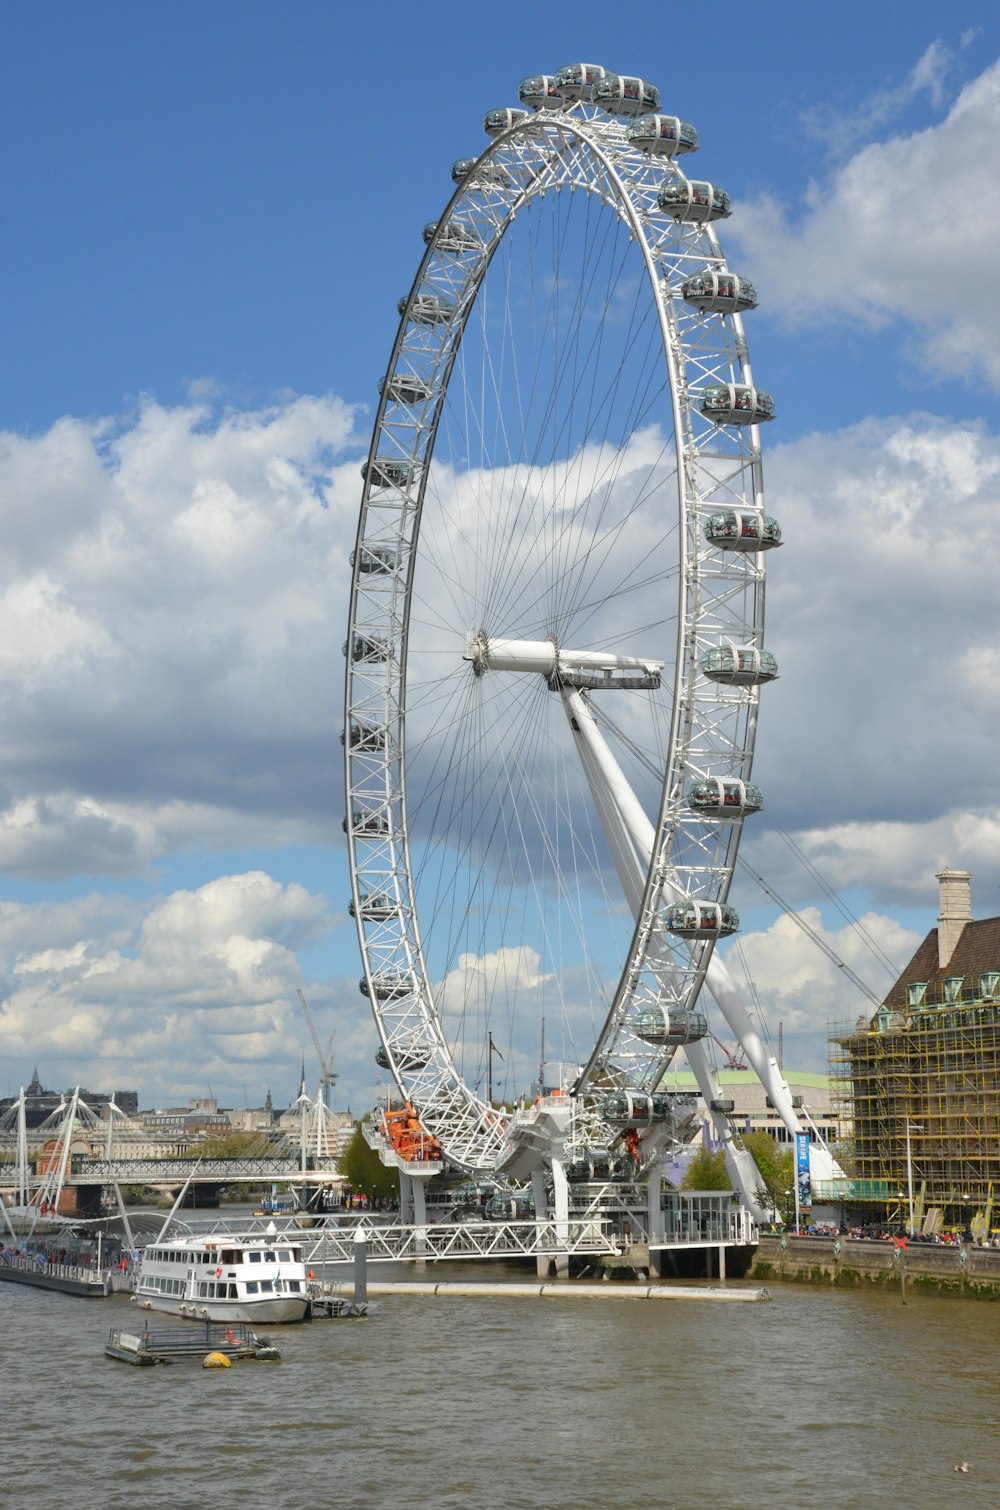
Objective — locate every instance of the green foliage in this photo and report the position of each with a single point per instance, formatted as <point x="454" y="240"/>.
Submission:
<point x="707" y="1171"/>
<point x="364" y="1171"/>
<point x="776" y="1165"/>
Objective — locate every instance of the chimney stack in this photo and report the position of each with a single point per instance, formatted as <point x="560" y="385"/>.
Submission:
<point x="956" y="910"/>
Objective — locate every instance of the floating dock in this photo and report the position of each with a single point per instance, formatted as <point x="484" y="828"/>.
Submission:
<point x="175" y="1344"/>
<point x="69" y="1279"/>
<point x="570" y="1290"/>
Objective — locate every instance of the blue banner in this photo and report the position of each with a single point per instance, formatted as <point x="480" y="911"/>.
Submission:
<point x="802" y="1169"/>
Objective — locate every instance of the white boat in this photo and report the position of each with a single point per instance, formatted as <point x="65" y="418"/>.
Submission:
<point x="224" y="1278"/>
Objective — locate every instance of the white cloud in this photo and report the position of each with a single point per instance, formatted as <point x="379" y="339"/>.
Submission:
<point x="172" y="590"/>
<point x="802" y="989"/>
<point x="195" y="986"/>
<point x="905" y="229"/>
<point x="884" y="615"/>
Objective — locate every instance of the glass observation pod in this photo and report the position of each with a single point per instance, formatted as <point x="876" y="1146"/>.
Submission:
<point x="363" y="821"/>
<point x="731" y="531"/>
<point x="722" y="291"/>
<point x="628" y="1109"/>
<point x="595" y="1164"/>
<point x="427" y="309"/>
<point x="739" y="665"/>
<point x="486" y="173"/>
<point x="736" y="404"/>
<point x="658" y="1026"/>
<point x="664" y="135"/>
<point x="375" y="558"/>
<point x="366" y="647"/>
<point x="692" y="201"/>
<point x="456" y="236"/>
<point x="620" y="94"/>
<point x="722" y="1105"/>
<point x="495" y="122"/>
<point x="404" y="388"/>
<point x="373" y="907"/>
<point x="702" y="920"/>
<point x="576" y="80"/>
<point x="388" y="472"/>
<point x="539" y="92"/>
<point x="519" y="1207"/>
<point x="387" y="985"/>
<point x="719" y="797"/>
<point x="365" y="737"/>
<point x="408" y="1060"/>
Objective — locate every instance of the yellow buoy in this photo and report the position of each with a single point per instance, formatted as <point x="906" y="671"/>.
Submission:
<point x="216" y="1360"/>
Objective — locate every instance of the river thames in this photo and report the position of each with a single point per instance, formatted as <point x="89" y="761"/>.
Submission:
<point x="817" y="1397"/>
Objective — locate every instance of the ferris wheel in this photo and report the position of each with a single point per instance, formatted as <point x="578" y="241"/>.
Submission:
<point x="555" y="647"/>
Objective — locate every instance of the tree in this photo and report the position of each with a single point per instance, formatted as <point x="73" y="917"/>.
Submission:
<point x="776" y="1166"/>
<point x="707" y="1171"/>
<point x="364" y="1171"/>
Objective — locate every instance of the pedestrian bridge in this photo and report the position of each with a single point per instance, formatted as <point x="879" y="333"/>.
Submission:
<point x="249" y="1171"/>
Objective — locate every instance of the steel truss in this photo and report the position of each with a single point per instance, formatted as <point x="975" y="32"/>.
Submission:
<point x="719" y="601"/>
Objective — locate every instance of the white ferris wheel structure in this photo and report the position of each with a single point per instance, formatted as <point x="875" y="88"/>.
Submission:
<point x="556" y="643"/>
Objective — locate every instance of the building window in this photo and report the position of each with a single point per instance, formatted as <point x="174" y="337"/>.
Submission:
<point x="953" y="988"/>
<point x="916" y="994"/>
<point x="989" y="984"/>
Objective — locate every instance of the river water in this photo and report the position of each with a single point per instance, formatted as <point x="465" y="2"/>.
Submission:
<point x="820" y="1397"/>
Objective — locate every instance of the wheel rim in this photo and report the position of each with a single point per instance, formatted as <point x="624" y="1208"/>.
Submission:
<point x="539" y="468"/>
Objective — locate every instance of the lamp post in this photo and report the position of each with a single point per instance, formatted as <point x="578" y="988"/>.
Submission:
<point x="915" y="1126"/>
<point x="788" y="1207"/>
<point x="901" y="1198"/>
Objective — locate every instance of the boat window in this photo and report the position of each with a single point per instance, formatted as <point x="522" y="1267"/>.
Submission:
<point x="232" y="1292"/>
<point x="270" y="1258"/>
<point x="229" y="1256"/>
<point x="297" y="1252"/>
<point x="203" y="1289"/>
<point x="266" y="1284"/>
<point x="254" y="1258"/>
<point x="293" y="1284"/>
<point x="251" y="1287"/>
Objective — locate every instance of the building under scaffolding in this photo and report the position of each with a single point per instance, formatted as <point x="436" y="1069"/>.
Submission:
<point x="922" y="1077"/>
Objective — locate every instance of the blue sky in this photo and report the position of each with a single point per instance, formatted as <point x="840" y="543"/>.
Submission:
<point x="208" y="215"/>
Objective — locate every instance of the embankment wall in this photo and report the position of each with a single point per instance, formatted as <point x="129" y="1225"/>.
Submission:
<point x="964" y="1270"/>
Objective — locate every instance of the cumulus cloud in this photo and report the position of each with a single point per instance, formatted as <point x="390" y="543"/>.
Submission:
<point x="904" y="230"/>
<point x="161" y="996"/>
<point x="883" y="613"/>
<point x="172" y="589"/>
<point x="801" y="988"/>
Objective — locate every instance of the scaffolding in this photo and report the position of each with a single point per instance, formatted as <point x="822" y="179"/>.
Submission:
<point x="921" y="1085"/>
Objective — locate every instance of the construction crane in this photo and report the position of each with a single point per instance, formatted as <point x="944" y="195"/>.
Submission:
<point x="328" y="1075"/>
<point x="735" y="1059"/>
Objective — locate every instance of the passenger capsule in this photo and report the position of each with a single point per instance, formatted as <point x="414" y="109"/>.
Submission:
<point x="721" y="797"/>
<point x="663" y="135"/>
<point x="373" y="907"/>
<point x="702" y="920"/>
<point x="627" y="1109"/>
<point x="366" y="821"/>
<point x="374" y="559"/>
<point x="720" y="291"/>
<point x="454" y="236"/>
<point x="539" y="92"/>
<point x="731" y="531"/>
<point x="576" y="80"/>
<point x="367" y="647"/>
<point x="427" y="309"/>
<point x="620" y="94"/>
<point x="364" y="737"/>
<point x="404" y="388"/>
<point x="519" y="1206"/>
<point x="486" y="173"/>
<point x="408" y="1060"/>
<point x="739" y="665"/>
<point x="722" y="1105"/>
<point x="736" y="404"/>
<point x="670" y="1029"/>
<point x="388" y="472"/>
<point x="387" y="985"/>
<point x="692" y="201"/>
<point x="495" y="122"/>
<point x="594" y="1164"/>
